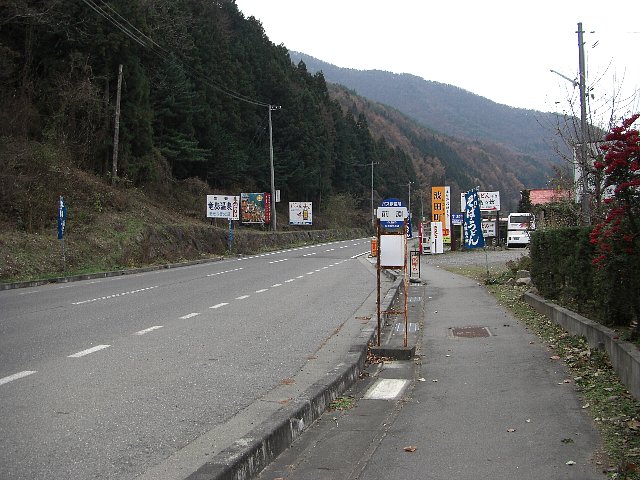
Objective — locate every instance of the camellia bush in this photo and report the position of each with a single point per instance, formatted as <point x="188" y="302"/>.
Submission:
<point x="617" y="238"/>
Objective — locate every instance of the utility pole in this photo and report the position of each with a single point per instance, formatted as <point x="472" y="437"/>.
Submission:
<point x="273" y="185"/>
<point x="373" y="221"/>
<point x="584" y="162"/>
<point x="114" y="171"/>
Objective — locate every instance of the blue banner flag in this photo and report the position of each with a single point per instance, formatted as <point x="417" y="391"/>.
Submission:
<point x="473" y="237"/>
<point x="62" y="218"/>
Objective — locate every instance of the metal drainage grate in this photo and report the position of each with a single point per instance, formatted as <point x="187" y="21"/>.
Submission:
<point x="470" y="332"/>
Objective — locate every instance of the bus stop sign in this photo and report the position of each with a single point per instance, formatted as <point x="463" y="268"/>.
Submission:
<point x="392" y="213"/>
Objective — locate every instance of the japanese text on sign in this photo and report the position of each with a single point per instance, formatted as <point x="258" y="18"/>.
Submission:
<point x="223" y="206"/>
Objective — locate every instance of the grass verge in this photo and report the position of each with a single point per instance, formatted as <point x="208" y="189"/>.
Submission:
<point x="615" y="412"/>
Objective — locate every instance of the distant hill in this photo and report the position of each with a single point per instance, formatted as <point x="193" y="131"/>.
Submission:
<point x="439" y="159"/>
<point x="451" y="110"/>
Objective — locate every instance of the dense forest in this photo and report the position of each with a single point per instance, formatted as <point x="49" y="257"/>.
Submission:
<point x="199" y="82"/>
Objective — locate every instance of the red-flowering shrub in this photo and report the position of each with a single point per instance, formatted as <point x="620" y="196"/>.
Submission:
<point x="617" y="237"/>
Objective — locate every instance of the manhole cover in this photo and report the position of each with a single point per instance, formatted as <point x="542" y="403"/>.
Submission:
<point x="471" y="332"/>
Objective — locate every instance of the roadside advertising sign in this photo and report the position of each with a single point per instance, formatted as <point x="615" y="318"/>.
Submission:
<point x="223" y="206"/>
<point x="437" y="238"/>
<point x="300" y="213"/>
<point x="252" y="207"/>
<point x="472" y="221"/>
<point x="441" y="209"/>
<point x="489" y="229"/>
<point x="267" y="208"/>
<point x="457" y="218"/>
<point x="488" y="201"/>
<point x="392" y="213"/>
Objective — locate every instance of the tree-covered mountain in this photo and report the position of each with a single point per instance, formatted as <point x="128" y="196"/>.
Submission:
<point x="200" y="82"/>
<point x="454" y="112"/>
<point x="442" y="160"/>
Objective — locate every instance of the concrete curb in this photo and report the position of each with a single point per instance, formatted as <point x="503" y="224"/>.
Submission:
<point x="248" y="456"/>
<point x="115" y="273"/>
<point x="624" y="356"/>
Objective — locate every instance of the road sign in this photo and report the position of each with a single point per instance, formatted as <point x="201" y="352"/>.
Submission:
<point x="392" y="213"/>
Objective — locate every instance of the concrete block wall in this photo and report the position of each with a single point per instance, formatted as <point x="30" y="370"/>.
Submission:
<point x="624" y="356"/>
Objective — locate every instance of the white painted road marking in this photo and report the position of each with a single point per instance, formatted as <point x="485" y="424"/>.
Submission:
<point x="88" y="351"/>
<point x="147" y="330"/>
<point x="115" y="295"/>
<point x="226" y="271"/>
<point x="386" y="389"/>
<point x="242" y="297"/>
<point x="16" y="376"/>
<point x="190" y="315"/>
<point x="262" y="290"/>
<point x="219" y="305"/>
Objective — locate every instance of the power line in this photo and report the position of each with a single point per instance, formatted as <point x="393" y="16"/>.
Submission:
<point x="149" y="44"/>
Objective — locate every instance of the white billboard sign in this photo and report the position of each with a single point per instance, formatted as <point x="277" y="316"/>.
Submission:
<point x="489" y="201"/>
<point x="223" y="206"/>
<point x="489" y="229"/>
<point x="300" y="213"/>
<point x="437" y="238"/>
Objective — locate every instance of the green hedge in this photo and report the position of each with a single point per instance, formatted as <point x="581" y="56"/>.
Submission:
<point x="562" y="271"/>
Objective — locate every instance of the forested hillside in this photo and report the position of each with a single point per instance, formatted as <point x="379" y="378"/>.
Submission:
<point x="198" y="79"/>
<point x="442" y="160"/>
<point x="455" y="112"/>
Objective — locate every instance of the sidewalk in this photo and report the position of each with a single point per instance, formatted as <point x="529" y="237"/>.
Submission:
<point x="481" y="399"/>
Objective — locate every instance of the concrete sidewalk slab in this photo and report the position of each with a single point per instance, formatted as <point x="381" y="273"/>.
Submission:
<point x="484" y="401"/>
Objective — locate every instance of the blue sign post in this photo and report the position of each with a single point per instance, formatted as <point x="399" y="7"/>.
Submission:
<point x="62" y="221"/>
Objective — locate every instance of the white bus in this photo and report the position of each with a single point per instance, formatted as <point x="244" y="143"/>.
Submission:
<point x="519" y="226"/>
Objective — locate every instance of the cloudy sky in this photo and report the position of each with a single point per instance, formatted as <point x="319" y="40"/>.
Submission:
<point x="500" y="49"/>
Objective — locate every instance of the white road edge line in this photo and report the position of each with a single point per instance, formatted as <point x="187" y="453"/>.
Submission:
<point x="88" y="351"/>
<point x="147" y="330"/>
<point x="16" y="376"/>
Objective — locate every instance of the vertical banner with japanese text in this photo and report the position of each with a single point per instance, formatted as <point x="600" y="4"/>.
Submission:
<point x="473" y="237"/>
<point x="441" y="210"/>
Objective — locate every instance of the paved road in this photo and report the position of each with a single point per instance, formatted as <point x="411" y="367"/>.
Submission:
<point x="109" y="378"/>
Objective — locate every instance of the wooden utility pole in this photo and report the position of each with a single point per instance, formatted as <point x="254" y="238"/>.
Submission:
<point x="114" y="171"/>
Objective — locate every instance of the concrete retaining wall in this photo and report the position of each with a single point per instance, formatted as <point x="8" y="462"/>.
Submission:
<point x="624" y="356"/>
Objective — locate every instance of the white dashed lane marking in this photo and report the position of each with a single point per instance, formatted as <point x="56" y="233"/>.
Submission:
<point x="190" y="315"/>
<point x="115" y="295"/>
<point x="226" y="271"/>
<point x="219" y="305"/>
<point x="242" y="297"/>
<point x="89" y="351"/>
<point x="147" y="330"/>
<point x="16" y="376"/>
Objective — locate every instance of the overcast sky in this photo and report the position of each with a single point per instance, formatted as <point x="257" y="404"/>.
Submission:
<point x="501" y="50"/>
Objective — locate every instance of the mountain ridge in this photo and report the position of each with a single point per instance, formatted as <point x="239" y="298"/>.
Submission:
<point x="450" y="110"/>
